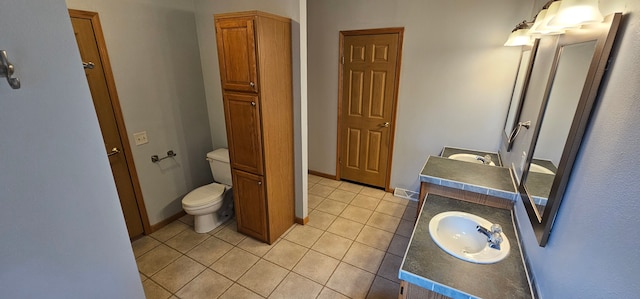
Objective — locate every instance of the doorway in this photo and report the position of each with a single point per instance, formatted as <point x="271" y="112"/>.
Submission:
<point x="93" y="51"/>
<point x="369" y="75"/>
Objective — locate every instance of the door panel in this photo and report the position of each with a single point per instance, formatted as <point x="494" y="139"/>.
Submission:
<point x="237" y="48"/>
<point x="249" y="197"/>
<point x="96" y="78"/>
<point x="242" y="114"/>
<point x="368" y="101"/>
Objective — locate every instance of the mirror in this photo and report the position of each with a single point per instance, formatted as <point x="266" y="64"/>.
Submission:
<point x="580" y="61"/>
<point x="527" y="58"/>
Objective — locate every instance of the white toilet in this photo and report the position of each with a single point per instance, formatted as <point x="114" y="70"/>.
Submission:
<point x="212" y="204"/>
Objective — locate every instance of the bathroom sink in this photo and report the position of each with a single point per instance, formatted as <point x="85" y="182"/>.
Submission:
<point x="456" y="233"/>
<point x="541" y="169"/>
<point x="469" y="158"/>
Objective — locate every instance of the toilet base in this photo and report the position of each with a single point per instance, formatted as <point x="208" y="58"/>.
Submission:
<point x="206" y="223"/>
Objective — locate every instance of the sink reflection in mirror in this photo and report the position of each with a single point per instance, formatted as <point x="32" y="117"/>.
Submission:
<point x="473" y="158"/>
<point x="460" y="235"/>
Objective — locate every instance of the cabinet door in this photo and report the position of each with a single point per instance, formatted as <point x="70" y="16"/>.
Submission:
<point x="249" y="200"/>
<point x="237" y="54"/>
<point x="242" y="113"/>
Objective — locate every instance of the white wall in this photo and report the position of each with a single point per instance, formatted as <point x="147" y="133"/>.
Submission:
<point x="296" y="11"/>
<point x="61" y="227"/>
<point x="455" y="81"/>
<point x="153" y="48"/>
<point x="592" y="251"/>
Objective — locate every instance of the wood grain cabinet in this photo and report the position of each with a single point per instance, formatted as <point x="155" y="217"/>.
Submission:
<point x="254" y="53"/>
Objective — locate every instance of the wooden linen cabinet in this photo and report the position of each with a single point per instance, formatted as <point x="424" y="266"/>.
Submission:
<point x="254" y="53"/>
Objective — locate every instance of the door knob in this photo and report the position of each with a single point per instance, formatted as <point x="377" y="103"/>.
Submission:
<point x="252" y="84"/>
<point x="114" y="151"/>
<point x="386" y="124"/>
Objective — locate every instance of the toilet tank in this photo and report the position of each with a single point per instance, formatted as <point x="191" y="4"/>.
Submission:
<point x="220" y="167"/>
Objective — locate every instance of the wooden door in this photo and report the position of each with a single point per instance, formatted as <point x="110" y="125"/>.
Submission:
<point x="237" y="54"/>
<point x="249" y="200"/>
<point x="242" y="113"/>
<point x="368" y="100"/>
<point x="89" y="38"/>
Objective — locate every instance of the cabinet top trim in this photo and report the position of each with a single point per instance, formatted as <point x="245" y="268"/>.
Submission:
<point x="251" y="13"/>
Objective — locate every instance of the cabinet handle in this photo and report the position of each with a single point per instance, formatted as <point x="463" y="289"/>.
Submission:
<point x="259" y="183"/>
<point x="252" y="84"/>
<point x="253" y="103"/>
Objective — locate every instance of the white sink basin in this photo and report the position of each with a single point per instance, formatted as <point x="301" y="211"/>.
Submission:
<point x="537" y="168"/>
<point x="456" y="233"/>
<point x="469" y="158"/>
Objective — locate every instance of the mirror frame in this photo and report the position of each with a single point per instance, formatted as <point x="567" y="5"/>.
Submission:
<point x="523" y="92"/>
<point x="604" y="34"/>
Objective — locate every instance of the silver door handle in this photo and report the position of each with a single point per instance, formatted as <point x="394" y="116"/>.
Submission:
<point x="114" y="151"/>
<point x="88" y="65"/>
<point x="386" y="124"/>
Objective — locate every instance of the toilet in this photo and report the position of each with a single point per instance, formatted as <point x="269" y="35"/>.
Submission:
<point x="212" y="204"/>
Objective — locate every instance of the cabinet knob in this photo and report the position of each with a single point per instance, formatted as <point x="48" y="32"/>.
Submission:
<point x="259" y="183"/>
<point x="252" y="84"/>
<point x="253" y="103"/>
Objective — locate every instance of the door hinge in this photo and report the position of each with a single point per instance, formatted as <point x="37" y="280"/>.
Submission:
<point x="401" y="290"/>
<point x="342" y="60"/>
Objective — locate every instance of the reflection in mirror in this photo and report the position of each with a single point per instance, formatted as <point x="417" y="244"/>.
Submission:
<point x="578" y="67"/>
<point x="571" y="74"/>
<point x="519" y="90"/>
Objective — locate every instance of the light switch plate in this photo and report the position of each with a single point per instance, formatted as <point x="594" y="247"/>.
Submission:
<point x="141" y="138"/>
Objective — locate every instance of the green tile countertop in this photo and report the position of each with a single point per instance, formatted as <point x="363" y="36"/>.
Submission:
<point x="474" y="177"/>
<point x="429" y="267"/>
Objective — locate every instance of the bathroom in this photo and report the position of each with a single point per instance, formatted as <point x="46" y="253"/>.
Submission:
<point x="454" y="90"/>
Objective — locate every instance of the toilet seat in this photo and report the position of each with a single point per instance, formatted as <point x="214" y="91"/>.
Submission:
<point x="204" y="196"/>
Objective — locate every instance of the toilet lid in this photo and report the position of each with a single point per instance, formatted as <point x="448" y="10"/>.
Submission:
<point x="203" y="195"/>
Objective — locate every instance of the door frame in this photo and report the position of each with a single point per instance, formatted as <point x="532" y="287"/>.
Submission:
<point x="396" y="84"/>
<point x="117" y="111"/>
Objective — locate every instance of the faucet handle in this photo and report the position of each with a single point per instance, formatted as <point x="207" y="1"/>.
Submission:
<point x="495" y="238"/>
<point x="496" y="228"/>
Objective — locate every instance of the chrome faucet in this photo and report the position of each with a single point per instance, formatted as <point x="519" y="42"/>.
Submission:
<point x="493" y="236"/>
<point x="486" y="160"/>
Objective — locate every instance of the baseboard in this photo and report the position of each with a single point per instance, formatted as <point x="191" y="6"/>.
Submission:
<point x="163" y="223"/>
<point x="324" y="175"/>
<point x="302" y="221"/>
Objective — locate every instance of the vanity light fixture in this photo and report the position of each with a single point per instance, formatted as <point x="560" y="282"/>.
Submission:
<point x="519" y="36"/>
<point x="548" y="27"/>
<point x="577" y="12"/>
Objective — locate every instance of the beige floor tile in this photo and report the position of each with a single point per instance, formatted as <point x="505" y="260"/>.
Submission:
<point x="390" y="267"/>
<point x="263" y="277"/>
<point x="364" y="257"/>
<point x="350" y="281"/>
<point x="342" y="196"/>
<point x="351" y="187"/>
<point x="208" y="284"/>
<point x="375" y="238"/>
<point x="178" y="273"/>
<point x="373" y="192"/>
<point x="367" y="202"/>
<point x="356" y="214"/>
<point x="320" y="220"/>
<point x="256" y="247"/>
<point x="332" y="245"/>
<point x="321" y="190"/>
<point x="405" y="228"/>
<point x="231" y="235"/>
<point x="383" y="289"/>
<point x="329" y="182"/>
<point x="304" y="235"/>
<point x="328" y="293"/>
<point x="235" y="263"/>
<point x="187" y="219"/>
<point x="316" y="266"/>
<point x="186" y="240"/>
<point x="390" y="208"/>
<point x="296" y="286"/>
<point x="286" y="254"/>
<point x="143" y="245"/>
<point x="237" y="291"/>
<point x="209" y="251"/>
<point x="345" y="228"/>
<point x="169" y="231"/>
<point x="314" y="178"/>
<point x="384" y="222"/>
<point x="394" y="199"/>
<point x="142" y="277"/>
<point x="398" y="245"/>
<point x="331" y="206"/>
<point x="314" y="201"/>
<point x="156" y="259"/>
<point x="154" y="291"/>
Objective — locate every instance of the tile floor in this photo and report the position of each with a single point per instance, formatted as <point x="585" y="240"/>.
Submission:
<point x="352" y="247"/>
